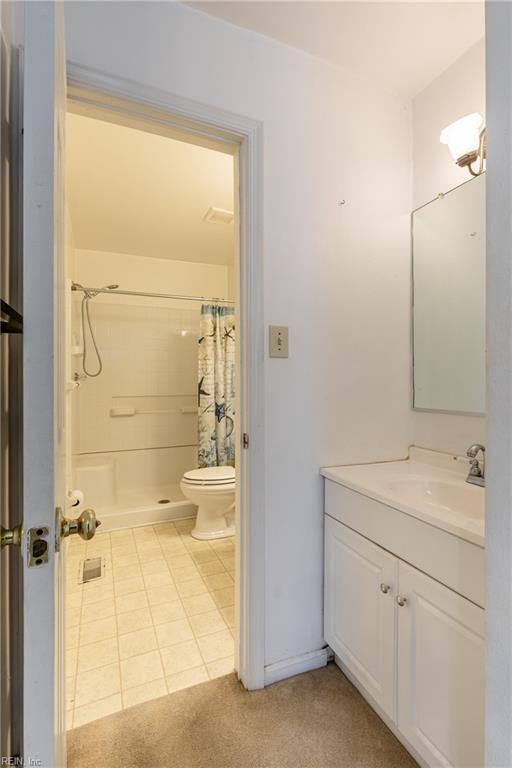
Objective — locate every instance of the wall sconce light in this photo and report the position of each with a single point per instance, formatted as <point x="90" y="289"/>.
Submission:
<point x="466" y="141"/>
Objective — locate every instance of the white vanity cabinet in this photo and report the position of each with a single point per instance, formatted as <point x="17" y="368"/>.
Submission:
<point x="360" y="585"/>
<point x="414" y="646"/>
<point x="440" y="672"/>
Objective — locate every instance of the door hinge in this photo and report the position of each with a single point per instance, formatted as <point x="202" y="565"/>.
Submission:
<point x="245" y="440"/>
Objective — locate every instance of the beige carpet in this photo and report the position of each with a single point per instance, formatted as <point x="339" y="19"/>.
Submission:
<point x="315" y="720"/>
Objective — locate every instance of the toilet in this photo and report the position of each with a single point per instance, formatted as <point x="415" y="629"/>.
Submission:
<point x="212" y="489"/>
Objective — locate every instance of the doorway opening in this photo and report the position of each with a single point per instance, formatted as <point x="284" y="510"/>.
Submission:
<point x="152" y="403"/>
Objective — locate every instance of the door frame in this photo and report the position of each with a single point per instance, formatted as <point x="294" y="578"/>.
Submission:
<point x="498" y="523"/>
<point x="132" y="98"/>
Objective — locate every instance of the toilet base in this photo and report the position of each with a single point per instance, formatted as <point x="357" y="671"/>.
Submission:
<point x="207" y="535"/>
<point x="215" y="509"/>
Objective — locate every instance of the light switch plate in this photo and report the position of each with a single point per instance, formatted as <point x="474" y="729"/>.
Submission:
<point x="278" y="340"/>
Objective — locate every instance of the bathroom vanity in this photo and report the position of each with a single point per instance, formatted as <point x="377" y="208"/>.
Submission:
<point x="404" y="598"/>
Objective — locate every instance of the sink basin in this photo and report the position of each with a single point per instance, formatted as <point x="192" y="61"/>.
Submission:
<point x="429" y="485"/>
<point x="456" y="498"/>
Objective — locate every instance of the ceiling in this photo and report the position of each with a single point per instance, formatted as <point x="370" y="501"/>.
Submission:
<point x="130" y="191"/>
<point x="402" y="45"/>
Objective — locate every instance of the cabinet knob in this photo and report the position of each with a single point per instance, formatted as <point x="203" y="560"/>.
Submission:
<point x="385" y="588"/>
<point x="401" y="600"/>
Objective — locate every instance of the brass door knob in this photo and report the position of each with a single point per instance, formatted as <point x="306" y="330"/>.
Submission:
<point x="401" y="600"/>
<point x="85" y="525"/>
<point x="10" y="536"/>
<point x="384" y="588"/>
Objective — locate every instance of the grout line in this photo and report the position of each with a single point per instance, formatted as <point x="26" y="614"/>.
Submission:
<point x="167" y="557"/>
<point x="209" y="591"/>
<point x="117" y="636"/>
<point x="75" y="678"/>
<point x="101" y="666"/>
<point x="97" y="701"/>
<point x="154" y="626"/>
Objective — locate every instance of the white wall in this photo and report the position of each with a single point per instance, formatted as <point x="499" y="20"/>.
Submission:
<point x="457" y="92"/>
<point x="338" y="276"/>
<point x="149" y="352"/>
<point x="150" y="275"/>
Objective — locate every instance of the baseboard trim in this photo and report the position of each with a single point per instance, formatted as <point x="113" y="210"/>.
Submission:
<point x="296" y="665"/>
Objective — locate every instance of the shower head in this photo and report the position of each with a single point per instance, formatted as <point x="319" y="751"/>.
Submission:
<point x="88" y="294"/>
<point x="92" y="293"/>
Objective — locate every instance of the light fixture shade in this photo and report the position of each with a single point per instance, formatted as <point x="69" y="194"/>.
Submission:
<point x="463" y="136"/>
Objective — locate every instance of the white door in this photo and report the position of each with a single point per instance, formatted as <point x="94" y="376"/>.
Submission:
<point x="44" y="483"/>
<point x="440" y="672"/>
<point x="360" y="589"/>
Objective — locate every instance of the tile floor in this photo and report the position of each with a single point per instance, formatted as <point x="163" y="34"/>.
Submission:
<point x="161" y="618"/>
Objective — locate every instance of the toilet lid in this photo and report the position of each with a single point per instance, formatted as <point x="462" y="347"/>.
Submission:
<point x="210" y="475"/>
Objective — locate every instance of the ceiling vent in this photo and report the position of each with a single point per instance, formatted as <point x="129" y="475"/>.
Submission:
<point x="219" y="216"/>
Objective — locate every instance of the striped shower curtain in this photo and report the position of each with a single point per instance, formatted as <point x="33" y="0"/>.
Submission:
<point x="216" y="386"/>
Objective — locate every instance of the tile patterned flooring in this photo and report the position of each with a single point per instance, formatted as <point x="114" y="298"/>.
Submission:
<point x="161" y="618"/>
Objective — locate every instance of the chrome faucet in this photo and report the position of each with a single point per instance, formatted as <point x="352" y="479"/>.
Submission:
<point x="476" y="474"/>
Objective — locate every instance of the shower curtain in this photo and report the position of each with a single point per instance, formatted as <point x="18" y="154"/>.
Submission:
<point x="216" y="386"/>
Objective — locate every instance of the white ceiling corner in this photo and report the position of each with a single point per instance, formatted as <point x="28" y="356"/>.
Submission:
<point x="130" y="191"/>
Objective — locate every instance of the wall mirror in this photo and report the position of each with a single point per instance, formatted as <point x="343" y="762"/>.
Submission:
<point x="448" y="255"/>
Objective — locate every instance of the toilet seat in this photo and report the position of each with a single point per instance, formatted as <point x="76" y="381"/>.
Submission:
<point x="210" y="476"/>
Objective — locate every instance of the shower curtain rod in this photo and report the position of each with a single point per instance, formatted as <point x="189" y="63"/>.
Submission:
<point x="120" y="292"/>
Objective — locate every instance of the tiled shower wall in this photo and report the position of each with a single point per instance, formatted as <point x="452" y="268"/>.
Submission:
<point x="149" y="353"/>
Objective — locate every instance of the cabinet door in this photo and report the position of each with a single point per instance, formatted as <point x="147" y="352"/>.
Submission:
<point x="360" y="580"/>
<point x="440" y="672"/>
